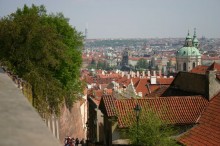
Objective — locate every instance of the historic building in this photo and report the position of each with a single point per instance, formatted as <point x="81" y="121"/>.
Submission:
<point x="188" y="57"/>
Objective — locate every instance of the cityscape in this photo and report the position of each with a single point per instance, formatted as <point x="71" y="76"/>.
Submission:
<point x="97" y="82"/>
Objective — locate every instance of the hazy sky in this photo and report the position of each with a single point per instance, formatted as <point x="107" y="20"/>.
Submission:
<point x="133" y="18"/>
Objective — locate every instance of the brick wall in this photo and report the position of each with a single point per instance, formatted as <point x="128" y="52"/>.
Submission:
<point x="70" y="123"/>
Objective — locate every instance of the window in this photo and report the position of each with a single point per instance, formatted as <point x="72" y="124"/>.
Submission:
<point x="184" y="66"/>
<point x="194" y="64"/>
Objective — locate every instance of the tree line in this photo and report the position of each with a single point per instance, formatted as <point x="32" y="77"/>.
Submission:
<point x="45" y="50"/>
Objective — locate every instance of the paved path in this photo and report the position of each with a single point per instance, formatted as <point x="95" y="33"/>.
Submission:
<point x="20" y="124"/>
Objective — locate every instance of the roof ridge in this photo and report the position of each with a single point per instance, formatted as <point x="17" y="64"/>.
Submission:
<point x="169" y="97"/>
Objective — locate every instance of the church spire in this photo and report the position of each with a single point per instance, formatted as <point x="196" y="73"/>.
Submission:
<point x="195" y="40"/>
<point x="194" y="36"/>
<point x="188" y="41"/>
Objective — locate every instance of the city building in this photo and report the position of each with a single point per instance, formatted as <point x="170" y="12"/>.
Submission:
<point x="188" y="57"/>
<point x="191" y="103"/>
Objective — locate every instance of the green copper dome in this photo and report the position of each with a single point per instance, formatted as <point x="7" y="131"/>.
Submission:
<point x="188" y="51"/>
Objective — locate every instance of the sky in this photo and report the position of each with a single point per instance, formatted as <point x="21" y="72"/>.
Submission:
<point x="132" y="18"/>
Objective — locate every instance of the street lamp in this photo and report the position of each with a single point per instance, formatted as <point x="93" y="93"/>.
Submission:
<point x="137" y="110"/>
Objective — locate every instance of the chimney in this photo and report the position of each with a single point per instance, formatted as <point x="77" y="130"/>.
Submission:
<point x="153" y="80"/>
<point x="160" y="73"/>
<point x="138" y="74"/>
<point x="122" y="74"/>
<point x="154" y="73"/>
<point x="148" y="73"/>
<point x="132" y="74"/>
<point x="143" y="73"/>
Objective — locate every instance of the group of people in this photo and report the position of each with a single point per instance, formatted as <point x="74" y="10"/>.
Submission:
<point x="74" y="142"/>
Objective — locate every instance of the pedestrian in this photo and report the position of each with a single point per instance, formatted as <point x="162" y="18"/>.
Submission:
<point x="82" y="142"/>
<point x="77" y="141"/>
<point x="73" y="141"/>
<point x="67" y="141"/>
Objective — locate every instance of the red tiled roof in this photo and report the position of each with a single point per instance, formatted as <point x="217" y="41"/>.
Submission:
<point x="159" y="91"/>
<point x="141" y="86"/>
<point x="108" y="101"/>
<point x="135" y="81"/>
<point x="98" y="93"/>
<point x="164" y="81"/>
<point x="200" y="69"/>
<point x="207" y="132"/>
<point x="123" y="81"/>
<point x="214" y="66"/>
<point x="153" y="88"/>
<point x="175" y="110"/>
<point x="89" y="79"/>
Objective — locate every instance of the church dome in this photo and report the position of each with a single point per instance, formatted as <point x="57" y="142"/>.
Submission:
<point x="188" y="51"/>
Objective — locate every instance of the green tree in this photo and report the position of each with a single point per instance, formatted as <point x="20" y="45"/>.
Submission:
<point x="44" y="50"/>
<point x="152" y="131"/>
<point x="142" y="64"/>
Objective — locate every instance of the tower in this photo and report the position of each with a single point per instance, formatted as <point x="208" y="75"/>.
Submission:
<point x="195" y="40"/>
<point x="125" y="61"/>
<point x="188" y="57"/>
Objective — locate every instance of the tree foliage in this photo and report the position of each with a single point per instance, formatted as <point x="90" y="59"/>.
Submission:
<point x="44" y="50"/>
<point x="142" y="64"/>
<point x="152" y="131"/>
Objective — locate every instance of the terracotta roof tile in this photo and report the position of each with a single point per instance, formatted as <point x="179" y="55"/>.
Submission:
<point x="200" y="69"/>
<point x="214" y="66"/>
<point x="207" y="132"/>
<point x="108" y="101"/>
<point x="141" y="86"/>
<point x="98" y="93"/>
<point x="159" y="91"/>
<point x="135" y="81"/>
<point x="179" y="110"/>
<point x="164" y="81"/>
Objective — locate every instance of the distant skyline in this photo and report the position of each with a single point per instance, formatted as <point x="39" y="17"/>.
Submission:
<point x="132" y="18"/>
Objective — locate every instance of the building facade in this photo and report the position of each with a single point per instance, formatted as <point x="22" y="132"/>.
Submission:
<point x="188" y="57"/>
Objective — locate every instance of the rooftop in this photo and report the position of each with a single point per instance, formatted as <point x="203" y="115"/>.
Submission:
<point x="175" y="110"/>
<point x="207" y="131"/>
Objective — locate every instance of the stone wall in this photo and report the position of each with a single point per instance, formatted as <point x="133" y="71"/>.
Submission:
<point x="70" y="123"/>
<point x="214" y="85"/>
